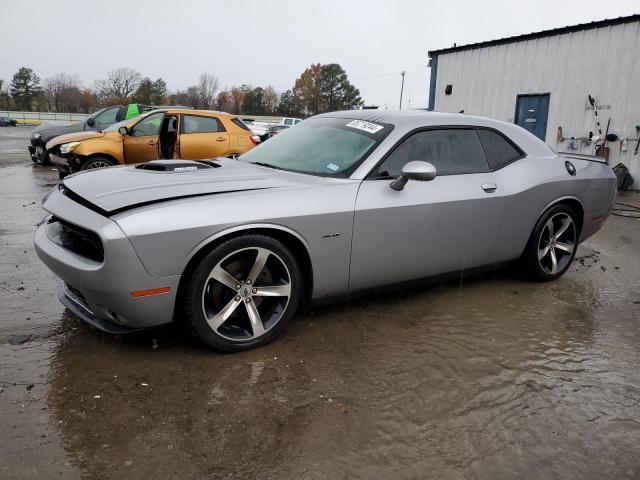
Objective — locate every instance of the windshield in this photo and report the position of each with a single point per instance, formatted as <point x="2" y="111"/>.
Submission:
<point x="320" y="146"/>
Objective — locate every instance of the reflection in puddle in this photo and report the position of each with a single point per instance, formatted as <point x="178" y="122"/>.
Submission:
<point x="444" y="380"/>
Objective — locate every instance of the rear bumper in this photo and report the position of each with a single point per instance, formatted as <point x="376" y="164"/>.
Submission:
<point x="101" y="292"/>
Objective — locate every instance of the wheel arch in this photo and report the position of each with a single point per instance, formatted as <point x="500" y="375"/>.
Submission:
<point x="574" y="202"/>
<point x="290" y="238"/>
<point x="90" y="157"/>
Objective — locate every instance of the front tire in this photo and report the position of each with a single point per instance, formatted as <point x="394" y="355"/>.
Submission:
<point x="553" y="244"/>
<point x="243" y="293"/>
<point x="97" y="162"/>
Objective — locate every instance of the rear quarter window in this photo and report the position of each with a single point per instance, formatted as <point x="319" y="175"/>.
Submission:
<point x="240" y="123"/>
<point x="498" y="149"/>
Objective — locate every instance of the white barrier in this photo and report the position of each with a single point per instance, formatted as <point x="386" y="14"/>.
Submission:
<point x="45" y="116"/>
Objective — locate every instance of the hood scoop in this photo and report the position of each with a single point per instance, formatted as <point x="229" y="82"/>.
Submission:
<point x="116" y="189"/>
<point x="177" y="166"/>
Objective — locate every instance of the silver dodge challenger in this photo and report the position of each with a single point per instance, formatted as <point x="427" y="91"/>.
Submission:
<point x="343" y="203"/>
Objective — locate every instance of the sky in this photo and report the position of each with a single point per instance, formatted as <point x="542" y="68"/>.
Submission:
<point x="267" y="42"/>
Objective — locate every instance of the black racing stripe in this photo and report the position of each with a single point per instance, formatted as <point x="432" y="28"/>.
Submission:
<point x="108" y="213"/>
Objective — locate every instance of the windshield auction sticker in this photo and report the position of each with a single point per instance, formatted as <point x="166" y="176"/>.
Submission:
<point x="365" y="126"/>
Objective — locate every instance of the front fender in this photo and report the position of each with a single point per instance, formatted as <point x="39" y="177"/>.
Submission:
<point x="100" y="146"/>
<point x="240" y="228"/>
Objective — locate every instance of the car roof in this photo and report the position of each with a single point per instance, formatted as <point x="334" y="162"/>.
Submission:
<point x="405" y="121"/>
<point x="402" y="117"/>
<point x="193" y="112"/>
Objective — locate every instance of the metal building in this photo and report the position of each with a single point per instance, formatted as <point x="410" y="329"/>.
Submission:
<point x="565" y="85"/>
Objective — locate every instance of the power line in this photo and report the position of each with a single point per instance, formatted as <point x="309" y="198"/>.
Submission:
<point x="376" y="76"/>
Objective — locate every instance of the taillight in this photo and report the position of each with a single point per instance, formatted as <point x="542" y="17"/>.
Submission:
<point x="255" y="139"/>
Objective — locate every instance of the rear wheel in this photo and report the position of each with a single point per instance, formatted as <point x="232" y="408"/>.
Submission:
<point x="243" y="293"/>
<point x="552" y="245"/>
<point x="97" y="162"/>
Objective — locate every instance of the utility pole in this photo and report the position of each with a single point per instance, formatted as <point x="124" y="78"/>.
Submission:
<point x="401" y="89"/>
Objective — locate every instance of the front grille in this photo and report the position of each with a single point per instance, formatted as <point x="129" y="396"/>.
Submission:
<point x="77" y="239"/>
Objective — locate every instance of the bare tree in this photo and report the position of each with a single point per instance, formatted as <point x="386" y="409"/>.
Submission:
<point x="62" y="92"/>
<point x="193" y="97"/>
<point x="237" y="98"/>
<point x="119" y="83"/>
<point x="224" y="101"/>
<point x="270" y="100"/>
<point x="207" y="90"/>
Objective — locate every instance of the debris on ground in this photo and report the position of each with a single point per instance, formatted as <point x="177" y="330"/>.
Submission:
<point x="19" y="339"/>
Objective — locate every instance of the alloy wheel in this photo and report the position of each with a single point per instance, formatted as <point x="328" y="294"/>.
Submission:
<point x="246" y="294"/>
<point x="98" y="164"/>
<point x="557" y="243"/>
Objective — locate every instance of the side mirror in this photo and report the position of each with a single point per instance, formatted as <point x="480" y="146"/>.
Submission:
<point x="123" y="131"/>
<point x="415" y="170"/>
<point x="91" y="122"/>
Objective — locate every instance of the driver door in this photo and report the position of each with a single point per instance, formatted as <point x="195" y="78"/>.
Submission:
<point x="448" y="224"/>
<point x="141" y="144"/>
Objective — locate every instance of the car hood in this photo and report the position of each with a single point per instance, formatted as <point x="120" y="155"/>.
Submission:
<point x="73" y="137"/>
<point x="115" y="189"/>
<point x="48" y="131"/>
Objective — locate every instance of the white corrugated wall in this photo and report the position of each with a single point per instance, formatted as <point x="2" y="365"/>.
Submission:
<point x="603" y="62"/>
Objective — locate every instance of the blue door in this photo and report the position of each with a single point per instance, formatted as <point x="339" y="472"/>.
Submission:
<point x="532" y="112"/>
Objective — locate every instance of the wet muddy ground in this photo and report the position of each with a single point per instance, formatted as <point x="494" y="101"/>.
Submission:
<point x="490" y="377"/>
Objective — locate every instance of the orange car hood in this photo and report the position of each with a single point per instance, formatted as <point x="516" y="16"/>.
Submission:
<point x="73" y="137"/>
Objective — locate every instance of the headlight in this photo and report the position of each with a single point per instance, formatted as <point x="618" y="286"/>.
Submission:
<point x="68" y="147"/>
<point x="36" y="135"/>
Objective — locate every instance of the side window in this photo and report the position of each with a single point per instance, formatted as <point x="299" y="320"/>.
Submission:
<point x="194" y="124"/>
<point x="288" y="121"/>
<point x="499" y="151"/>
<point x="107" y="117"/>
<point x="148" y="126"/>
<point x="452" y="151"/>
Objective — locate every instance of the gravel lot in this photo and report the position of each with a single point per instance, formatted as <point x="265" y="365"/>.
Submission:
<point x="490" y="377"/>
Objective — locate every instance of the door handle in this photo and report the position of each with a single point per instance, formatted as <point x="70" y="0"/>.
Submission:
<point x="220" y="139"/>
<point x="151" y="143"/>
<point x="489" y="187"/>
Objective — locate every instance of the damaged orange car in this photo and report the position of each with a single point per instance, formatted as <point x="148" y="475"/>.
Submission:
<point x="170" y="133"/>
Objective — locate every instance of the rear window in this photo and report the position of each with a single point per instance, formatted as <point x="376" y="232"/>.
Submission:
<point x="498" y="149"/>
<point x="240" y="124"/>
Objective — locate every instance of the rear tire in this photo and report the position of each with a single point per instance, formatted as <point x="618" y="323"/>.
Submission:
<point x="243" y="293"/>
<point x="552" y="245"/>
<point x="97" y="162"/>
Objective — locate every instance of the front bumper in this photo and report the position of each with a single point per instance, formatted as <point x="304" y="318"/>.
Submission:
<point x="99" y="292"/>
<point x="38" y="153"/>
<point x="79" y="307"/>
